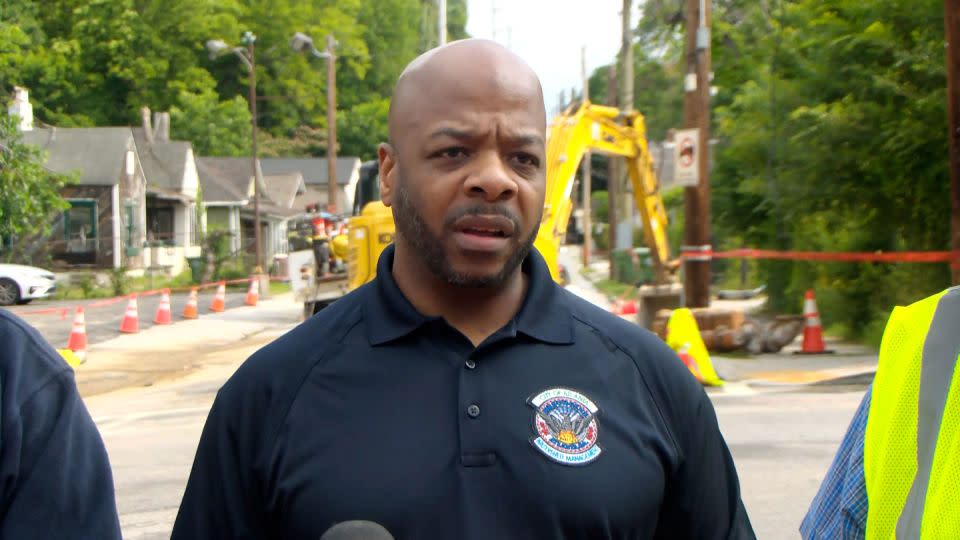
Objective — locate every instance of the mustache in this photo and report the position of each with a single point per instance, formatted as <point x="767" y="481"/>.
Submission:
<point x="483" y="210"/>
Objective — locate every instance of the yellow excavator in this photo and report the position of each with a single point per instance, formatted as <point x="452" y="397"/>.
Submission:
<point x="603" y="130"/>
<point x="582" y="127"/>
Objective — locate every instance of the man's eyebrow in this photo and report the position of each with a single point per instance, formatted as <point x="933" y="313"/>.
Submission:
<point x="452" y="132"/>
<point x="526" y="139"/>
<point x="460" y="134"/>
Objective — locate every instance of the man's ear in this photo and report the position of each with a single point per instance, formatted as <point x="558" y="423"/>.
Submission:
<point x="387" y="156"/>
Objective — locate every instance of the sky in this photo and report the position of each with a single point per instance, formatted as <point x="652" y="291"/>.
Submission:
<point x="549" y="35"/>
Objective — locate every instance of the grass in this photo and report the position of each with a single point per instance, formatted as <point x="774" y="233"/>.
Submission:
<point x="85" y="288"/>
<point x="75" y="292"/>
<point x="279" y="287"/>
<point x="616" y="289"/>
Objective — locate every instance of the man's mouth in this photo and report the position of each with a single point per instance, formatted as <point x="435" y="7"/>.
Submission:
<point x="485" y="225"/>
<point x="484" y="232"/>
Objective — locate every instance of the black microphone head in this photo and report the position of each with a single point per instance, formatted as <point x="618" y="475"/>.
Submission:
<point x="357" y="530"/>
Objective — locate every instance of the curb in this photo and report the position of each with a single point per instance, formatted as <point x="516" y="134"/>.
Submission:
<point x="856" y="379"/>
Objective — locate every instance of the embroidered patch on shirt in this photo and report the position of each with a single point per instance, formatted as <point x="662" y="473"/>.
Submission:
<point x="565" y="422"/>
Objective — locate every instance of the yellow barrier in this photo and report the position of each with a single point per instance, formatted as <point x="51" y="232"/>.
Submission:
<point x="683" y="336"/>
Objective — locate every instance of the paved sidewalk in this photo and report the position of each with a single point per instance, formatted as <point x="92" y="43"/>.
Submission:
<point x="164" y="352"/>
<point x="850" y="363"/>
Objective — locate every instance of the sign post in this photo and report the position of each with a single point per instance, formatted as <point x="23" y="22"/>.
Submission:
<point x="686" y="155"/>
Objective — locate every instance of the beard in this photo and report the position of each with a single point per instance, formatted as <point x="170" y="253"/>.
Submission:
<point x="429" y="247"/>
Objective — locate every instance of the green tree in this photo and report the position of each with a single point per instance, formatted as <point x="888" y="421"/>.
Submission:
<point x="97" y="62"/>
<point x="214" y="127"/>
<point x="830" y="127"/>
<point x="361" y="129"/>
<point x="829" y="143"/>
<point x="30" y="198"/>
<point x="389" y="48"/>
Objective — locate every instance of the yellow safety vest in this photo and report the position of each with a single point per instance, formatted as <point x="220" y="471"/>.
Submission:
<point x="912" y="443"/>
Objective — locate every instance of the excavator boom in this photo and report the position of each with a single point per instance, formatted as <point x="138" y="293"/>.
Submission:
<point x="605" y="130"/>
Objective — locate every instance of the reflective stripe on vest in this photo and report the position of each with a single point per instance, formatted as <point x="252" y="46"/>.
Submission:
<point x="912" y="444"/>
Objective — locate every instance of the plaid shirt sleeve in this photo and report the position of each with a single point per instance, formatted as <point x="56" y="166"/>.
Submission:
<point x="839" y="511"/>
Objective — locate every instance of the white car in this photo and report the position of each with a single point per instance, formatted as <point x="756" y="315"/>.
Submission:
<point x="20" y="284"/>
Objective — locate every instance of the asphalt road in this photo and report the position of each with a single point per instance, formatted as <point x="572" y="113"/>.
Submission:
<point x="103" y="322"/>
<point x="782" y="442"/>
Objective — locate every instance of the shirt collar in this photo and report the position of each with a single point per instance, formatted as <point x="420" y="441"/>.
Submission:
<point x="544" y="314"/>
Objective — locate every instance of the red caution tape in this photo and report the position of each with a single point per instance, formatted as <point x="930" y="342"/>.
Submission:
<point x="849" y="256"/>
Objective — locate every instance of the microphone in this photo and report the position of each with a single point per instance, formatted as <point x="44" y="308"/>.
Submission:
<point x="357" y="530"/>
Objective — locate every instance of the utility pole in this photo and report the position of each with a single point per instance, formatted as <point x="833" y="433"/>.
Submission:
<point x="625" y="210"/>
<point x="248" y="40"/>
<point x="331" y="125"/>
<point x="613" y="177"/>
<point x="951" y="16"/>
<point x="696" y="114"/>
<point x="442" y="21"/>
<point x="587" y="180"/>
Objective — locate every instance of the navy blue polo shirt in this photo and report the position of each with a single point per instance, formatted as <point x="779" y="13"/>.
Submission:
<point x="55" y="476"/>
<point x="568" y="422"/>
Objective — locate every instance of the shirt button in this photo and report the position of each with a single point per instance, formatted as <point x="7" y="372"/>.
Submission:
<point x="473" y="411"/>
<point x="470" y="363"/>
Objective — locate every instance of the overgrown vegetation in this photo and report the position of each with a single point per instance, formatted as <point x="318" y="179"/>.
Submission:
<point x="30" y="194"/>
<point x="830" y="119"/>
<point x="97" y="62"/>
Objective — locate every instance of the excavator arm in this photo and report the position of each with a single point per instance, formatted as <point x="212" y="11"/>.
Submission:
<point x="605" y="130"/>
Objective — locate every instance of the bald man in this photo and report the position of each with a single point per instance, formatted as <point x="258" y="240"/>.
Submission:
<point x="462" y="394"/>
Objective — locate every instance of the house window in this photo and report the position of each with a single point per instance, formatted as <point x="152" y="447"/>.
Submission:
<point x="80" y="226"/>
<point x="160" y="223"/>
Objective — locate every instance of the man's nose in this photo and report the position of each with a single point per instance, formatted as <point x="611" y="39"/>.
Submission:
<point x="491" y="180"/>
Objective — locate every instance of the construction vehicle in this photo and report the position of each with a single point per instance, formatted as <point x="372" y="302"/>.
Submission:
<point x="316" y="283"/>
<point x="608" y="131"/>
<point x="581" y="128"/>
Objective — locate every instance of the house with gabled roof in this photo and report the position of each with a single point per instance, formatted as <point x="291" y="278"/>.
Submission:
<point x="173" y="223"/>
<point x="106" y="222"/>
<point x="227" y="185"/>
<point x="315" y="174"/>
<point x="135" y="204"/>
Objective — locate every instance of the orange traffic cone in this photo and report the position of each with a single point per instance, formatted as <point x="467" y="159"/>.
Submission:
<point x="253" y="294"/>
<point x="220" y="299"/>
<point x="813" y="331"/>
<point x="190" y="310"/>
<point x="78" y="336"/>
<point x="131" y="319"/>
<point x="163" y="312"/>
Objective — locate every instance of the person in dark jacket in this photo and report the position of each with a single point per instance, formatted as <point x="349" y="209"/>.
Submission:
<point x="55" y="477"/>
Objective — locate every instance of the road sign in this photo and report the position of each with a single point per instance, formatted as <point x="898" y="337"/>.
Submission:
<point x="687" y="158"/>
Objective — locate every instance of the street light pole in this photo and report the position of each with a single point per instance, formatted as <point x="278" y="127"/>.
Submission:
<point x="301" y="42"/>
<point x="442" y="22"/>
<point x="217" y="47"/>
<point x="249" y="39"/>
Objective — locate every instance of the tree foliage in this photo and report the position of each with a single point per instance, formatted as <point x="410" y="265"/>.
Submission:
<point x="97" y="62"/>
<point x="30" y="192"/>
<point x="830" y="119"/>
